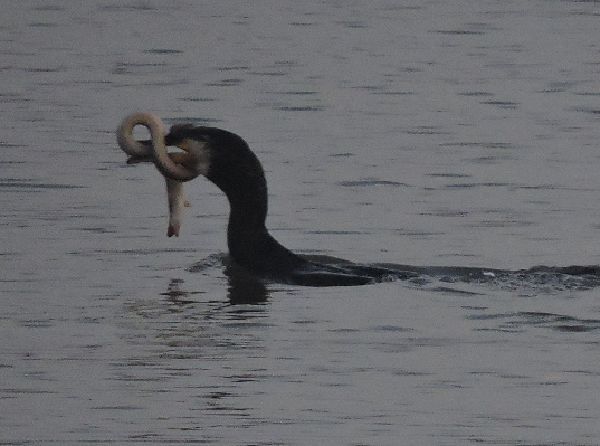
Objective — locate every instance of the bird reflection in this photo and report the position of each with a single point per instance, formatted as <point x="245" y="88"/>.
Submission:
<point x="243" y="288"/>
<point x="176" y="294"/>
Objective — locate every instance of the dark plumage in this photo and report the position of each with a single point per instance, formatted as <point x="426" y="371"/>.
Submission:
<point x="236" y="170"/>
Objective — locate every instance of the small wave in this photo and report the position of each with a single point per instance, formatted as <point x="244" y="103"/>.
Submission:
<point x="371" y="183"/>
<point x="212" y="261"/>
<point x="517" y="321"/>
<point x="544" y="279"/>
<point x="28" y="184"/>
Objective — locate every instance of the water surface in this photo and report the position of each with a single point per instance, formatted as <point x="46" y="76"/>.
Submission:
<point x="433" y="133"/>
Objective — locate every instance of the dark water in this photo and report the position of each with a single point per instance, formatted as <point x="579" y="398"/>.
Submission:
<point x="460" y="134"/>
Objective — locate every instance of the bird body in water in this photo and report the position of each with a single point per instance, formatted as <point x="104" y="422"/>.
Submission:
<point x="225" y="159"/>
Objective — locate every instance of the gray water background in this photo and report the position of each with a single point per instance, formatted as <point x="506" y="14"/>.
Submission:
<point x="419" y="132"/>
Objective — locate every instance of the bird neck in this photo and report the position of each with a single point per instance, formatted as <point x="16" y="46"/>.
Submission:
<point x="247" y="217"/>
<point x="249" y="242"/>
<point x="242" y="178"/>
<point x="246" y="230"/>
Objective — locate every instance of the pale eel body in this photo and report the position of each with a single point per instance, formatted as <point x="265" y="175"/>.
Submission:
<point x="140" y="151"/>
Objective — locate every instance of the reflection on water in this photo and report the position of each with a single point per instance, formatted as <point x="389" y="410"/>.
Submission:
<point x="244" y="288"/>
